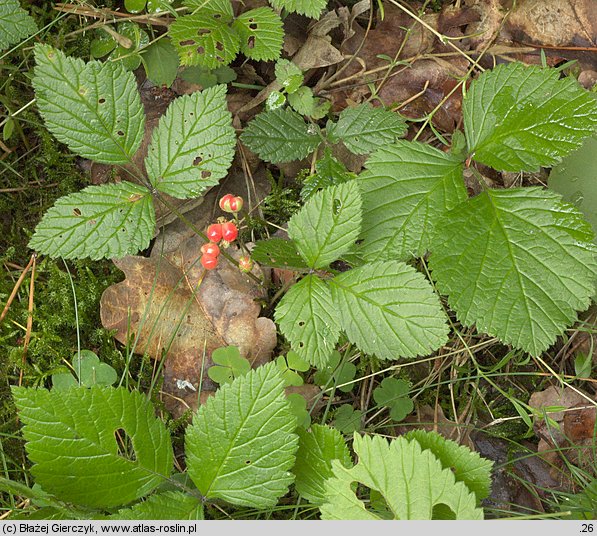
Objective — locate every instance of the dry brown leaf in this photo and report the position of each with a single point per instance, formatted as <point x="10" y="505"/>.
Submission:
<point x="177" y="316"/>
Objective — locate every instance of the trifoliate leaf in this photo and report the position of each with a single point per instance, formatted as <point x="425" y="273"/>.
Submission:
<point x="204" y="39"/>
<point x="390" y="310"/>
<point x="517" y="263"/>
<point x="348" y="420"/>
<point x="302" y="100"/>
<point x="106" y="221"/>
<point x="193" y="145"/>
<point x="393" y="393"/>
<point x="15" y="24"/>
<point x="275" y="100"/>
<point x="517" y="117"/>
<point x="105" y="446"/>
<point x="134" y="6"/>
<point x="468" y="467"/>
<point x="130" y="57"/>
<point x="338" y="373"/>
<point x="243" y="456"/>
<point x="161" y="62"/>
<point x="261" y="34"/>
<point x="278" y="253"/>
<point x="163" y="506"/>
<point x="228" y="364"/>
<point x="317" y="449"/>
<point x="329" y="171"/>
<point x="91" y="371"/>
<point x="92" y="107"/>
<point x="281" y="136"/>
<point x="406" y="189"/>
<point x="411" y="480"/>
<point x="363" y="128"/>
<point x="102" y="45"/>
<point x="307" y="319"/>
<point x="288" y="75"/>
<point x="328" y="225"/>
<point x="289" y="366"/>
<point x="311" y="8"/>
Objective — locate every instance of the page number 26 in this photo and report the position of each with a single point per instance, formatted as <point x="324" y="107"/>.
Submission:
<point x="586" y="527"/>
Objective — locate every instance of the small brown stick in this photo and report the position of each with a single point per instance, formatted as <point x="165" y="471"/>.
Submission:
<point x="29" y="317"/>
<point x="16" y="288"/>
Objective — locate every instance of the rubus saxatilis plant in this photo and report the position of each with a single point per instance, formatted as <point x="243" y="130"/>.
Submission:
<point x="517" y="263"/>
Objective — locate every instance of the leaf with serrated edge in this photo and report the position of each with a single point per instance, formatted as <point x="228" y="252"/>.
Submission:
<point x="163" y="506"/>
<point x="278" y="253"/>
<point x="193" y="145"/>
<point x="281" y="136"/>
<point x="106" y="221"/>
<point x="517" y="263"/>
<point x="15" y="23"/>
<point x="72" y="440"/>
<point x="311" y="8"/>
<point x="317" y="449"/>
<point x="519" y="117"/>
<point x="411" y="480"/>
<point x="328" y="224"/>
<point x="467" y="466"/>
<point x="204" y="39"/>
<point x="363" y="128"/>
<point x="406" y="188"/>
<point x="390" y="310"/>
<point x="306" y="318"/>
<point x="241" y="444"/>
<point x="92" y="107"/>
<point x="261" y="34"/>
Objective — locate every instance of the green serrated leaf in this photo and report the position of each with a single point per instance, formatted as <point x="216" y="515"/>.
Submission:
<point x="15" y="24"/>
<point x="228" y="364"/>
<point x="281" y="136"/>
<point x="306" y="318"/>
<point x="406" y="189"/>
<point x="393" y="394"/>
<point x="517" y="263"/>
<point x="161" y="62"/>
<point x="328" y="225"/>
<point x="261" y="34"/>
<point x="204" y="39"/>
<point x="162" y="506"/>
<point x="348" y="420"/>
<point x="243" y="456"/>
<point x="79" y="461"/>
<point x="390" y="310"/>
<point x="411" y="480"/>
<point x="92" y="107"/>
<point x="468" y="467"/>
<point x="311" y="8"/>
<point x="278" y="253"/>
<point x="363" y="128"/>
<point x="106" y="221"/>
<point x="193" y="145"/>
<point x="288" y="75"/>
<point x="329" y="171"/>
<point x="517" y="117"/>
<point x="317" y="448"/>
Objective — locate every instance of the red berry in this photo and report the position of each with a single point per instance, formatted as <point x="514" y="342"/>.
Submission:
<point x="210" y="249"/>
<point x="229" y="231"/>
<point x="245" y="264"/>
<point x="236" y="204"/>
<point x="209" y="262"/>
<point x="214" y="232"/>
<point x="225" y="202"/>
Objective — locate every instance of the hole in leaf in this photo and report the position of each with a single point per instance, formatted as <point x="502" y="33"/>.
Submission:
<point x="200" y="50"/>
<point x="253" y="26"/>
<point x="219" y="46"/>
<point x="191" y="114"/>
<point x="248" y="462"/>
<point x="125" y="445"/>
<point x="301" y="324"/>
<point x="101" y="101"/>
<point x="301" y="344"/>
<point x="203" y="31"/>
<point x="120" y="133"/>
<point x="220" y="59"/>
<point x="337" y="206"/>
<point x="76" y="211"/>
<point x="187" y="42"/>
<point x="197" y="161"/>
<point x="217" y="16"/>
<point x="205" y="174"/>
<point x="251" y="42"/>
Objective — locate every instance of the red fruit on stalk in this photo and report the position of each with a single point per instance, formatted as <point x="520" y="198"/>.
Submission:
<point x="236" y="204"/>
<point x="214" y="232"/>
<point x="210" y="249"/>
<point x="229" y="231"/>
<point x="209" y="262"/>
<point x="225" y="202"/>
